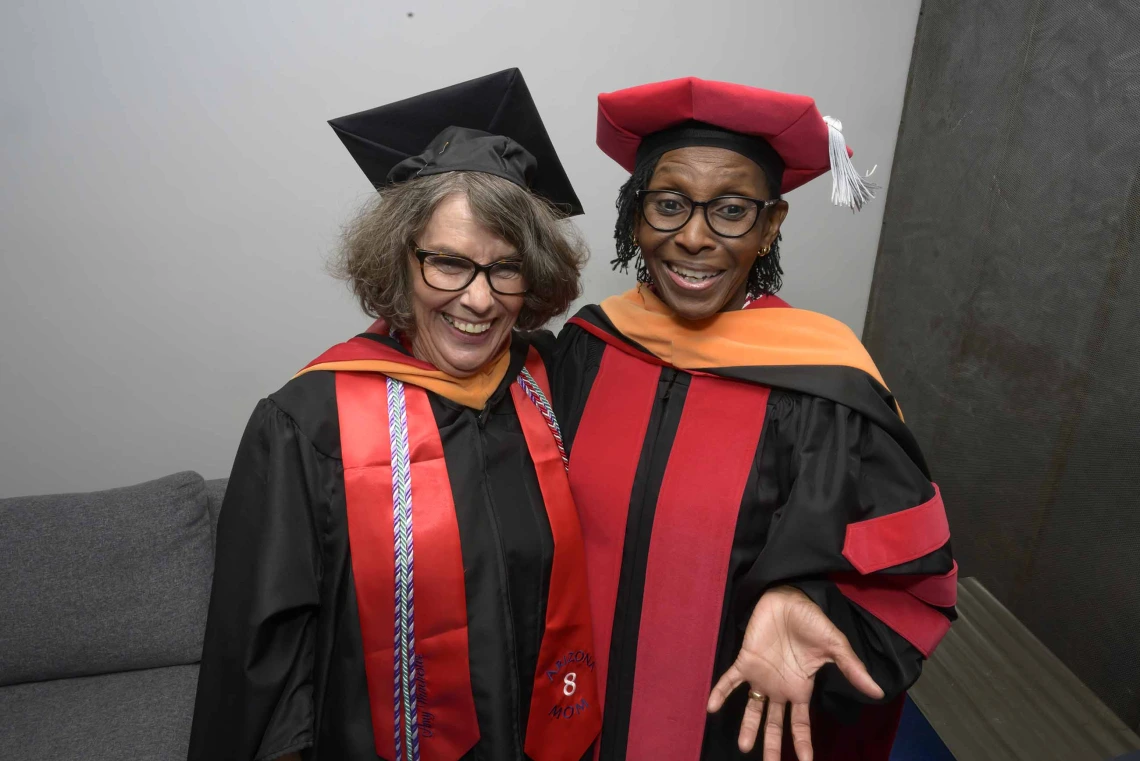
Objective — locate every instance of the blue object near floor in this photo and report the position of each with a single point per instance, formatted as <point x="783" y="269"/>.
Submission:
<point x="916" y="739"/>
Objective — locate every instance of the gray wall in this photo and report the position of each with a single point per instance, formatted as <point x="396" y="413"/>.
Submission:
<point x="169" y="191"/>
<point x="1005" y="311"/>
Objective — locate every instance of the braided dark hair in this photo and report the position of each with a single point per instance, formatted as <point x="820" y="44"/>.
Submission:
<point x="765" y="277"/>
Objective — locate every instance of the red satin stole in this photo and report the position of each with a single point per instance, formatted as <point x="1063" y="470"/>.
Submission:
<point x="565" y="714"/>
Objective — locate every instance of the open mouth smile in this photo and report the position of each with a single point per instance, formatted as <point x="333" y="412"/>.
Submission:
<point x="692" y="278"/>
<point x="469" y="328"/>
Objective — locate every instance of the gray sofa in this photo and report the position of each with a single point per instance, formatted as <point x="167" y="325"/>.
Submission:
<point x="103" y="600"/>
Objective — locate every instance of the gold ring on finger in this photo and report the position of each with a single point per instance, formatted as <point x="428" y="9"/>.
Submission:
<point x="757" y="695"/>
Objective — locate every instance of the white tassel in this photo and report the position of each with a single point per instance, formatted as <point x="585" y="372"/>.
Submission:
<point x="848" y="187"/>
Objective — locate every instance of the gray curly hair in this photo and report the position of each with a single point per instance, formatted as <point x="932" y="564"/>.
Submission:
<point x="374" y="256"/>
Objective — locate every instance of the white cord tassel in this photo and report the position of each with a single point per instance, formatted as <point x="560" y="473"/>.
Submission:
<point x="848" y="187"/>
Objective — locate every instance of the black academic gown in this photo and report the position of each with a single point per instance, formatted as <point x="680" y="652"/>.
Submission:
<point x="816" y="459"/>
<point x="282" y="667"/>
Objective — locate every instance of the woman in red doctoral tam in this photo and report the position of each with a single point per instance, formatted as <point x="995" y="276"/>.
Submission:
<point x="755" y="512"/>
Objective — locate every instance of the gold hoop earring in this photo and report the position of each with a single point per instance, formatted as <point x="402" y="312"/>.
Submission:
<point x="764" y="251"/>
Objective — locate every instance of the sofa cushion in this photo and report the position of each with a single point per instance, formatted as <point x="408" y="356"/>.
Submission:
<point x="104" y="581"/>
<point x="216" y="491"/>
<point x="132" y="715"/>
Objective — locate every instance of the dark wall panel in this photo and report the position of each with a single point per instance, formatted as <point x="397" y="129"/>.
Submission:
<point x="1005" y="311"/>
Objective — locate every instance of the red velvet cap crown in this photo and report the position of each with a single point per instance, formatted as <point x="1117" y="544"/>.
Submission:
<point x="790" y="123"/>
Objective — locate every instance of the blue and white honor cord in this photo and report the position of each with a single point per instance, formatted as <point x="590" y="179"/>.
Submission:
<point x="404" y="682"/>
<point x="534" y="392"/>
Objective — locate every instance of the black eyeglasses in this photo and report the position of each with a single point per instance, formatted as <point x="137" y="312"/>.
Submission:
<point x="451" y="272"/>
<point x="668" y="211"/>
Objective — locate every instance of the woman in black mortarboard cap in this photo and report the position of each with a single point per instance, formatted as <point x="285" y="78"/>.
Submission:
<point x="754" y="510"/>
<point x="399" y="563"/>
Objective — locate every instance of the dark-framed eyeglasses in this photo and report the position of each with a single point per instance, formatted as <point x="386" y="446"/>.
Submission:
<point x="668" y="211"/>
<point x="452" y="272"/>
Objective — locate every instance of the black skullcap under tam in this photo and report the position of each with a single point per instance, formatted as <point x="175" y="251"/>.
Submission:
<point x="695" y="133"/>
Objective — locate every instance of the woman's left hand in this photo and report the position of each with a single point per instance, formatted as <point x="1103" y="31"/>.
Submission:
<point x="788" y="640"/>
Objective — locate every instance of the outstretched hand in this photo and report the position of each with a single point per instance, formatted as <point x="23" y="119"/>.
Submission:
<point x="788" y="640"/>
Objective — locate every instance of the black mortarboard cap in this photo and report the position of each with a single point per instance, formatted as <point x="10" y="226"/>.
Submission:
<point x="489" y="124"/>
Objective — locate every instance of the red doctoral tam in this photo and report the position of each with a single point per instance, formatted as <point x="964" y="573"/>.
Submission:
<point x="808" y="143"/>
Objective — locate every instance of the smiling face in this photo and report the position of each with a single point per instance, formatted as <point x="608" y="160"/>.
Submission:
<point x="460" y="332"/>
<point x="697" y="272"/>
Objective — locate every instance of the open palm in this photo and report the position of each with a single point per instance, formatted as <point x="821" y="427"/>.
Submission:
<point x="788" y="640"/>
